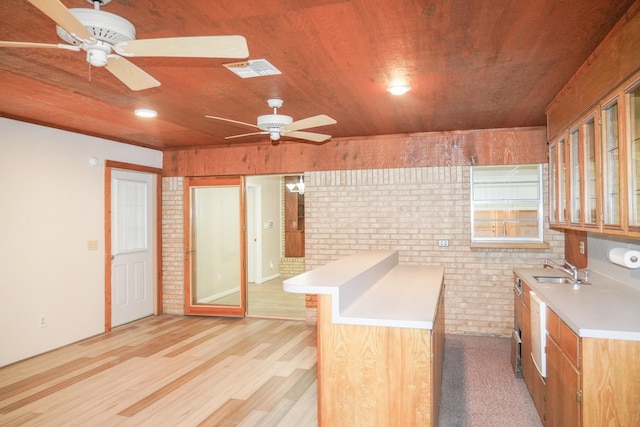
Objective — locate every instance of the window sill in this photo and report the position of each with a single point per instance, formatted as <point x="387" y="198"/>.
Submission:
<point x="510" y="245"/>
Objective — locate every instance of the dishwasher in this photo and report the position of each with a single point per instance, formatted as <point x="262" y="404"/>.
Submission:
<point x="538" y="333"/>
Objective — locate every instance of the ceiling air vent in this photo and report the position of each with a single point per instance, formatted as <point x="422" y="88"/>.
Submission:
<point x="253" y="68"/>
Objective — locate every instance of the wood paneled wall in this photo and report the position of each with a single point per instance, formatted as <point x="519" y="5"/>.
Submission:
<point x="608" y="66"/>
<point x="479" y="147"/>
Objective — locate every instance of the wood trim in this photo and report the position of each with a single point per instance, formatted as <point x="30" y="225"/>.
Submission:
<point x="109" y="165"/>
<point x="572" y="239"/>
<point x="214" y="310"/>
<point x="132" y="167"/>
<point x="107" y="248"/>
<point x="454" y="148"/>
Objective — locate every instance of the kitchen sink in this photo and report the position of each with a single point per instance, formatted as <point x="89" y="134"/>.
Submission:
<point x="552" y="279"/>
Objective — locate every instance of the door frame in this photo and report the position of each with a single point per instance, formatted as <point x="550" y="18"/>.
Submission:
<point x="215" y="310"/>
<point x="109" y="165"/>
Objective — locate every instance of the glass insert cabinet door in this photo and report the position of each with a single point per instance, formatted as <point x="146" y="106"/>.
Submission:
<point x="611" y="165"/>
<point x="633" y="99"/>
<point x="215" y="248"/>
<point x="575" y="202"/>
<point x="562" y="182"/>
<point x="590" y="174"/>
<point x="553" y="183"/>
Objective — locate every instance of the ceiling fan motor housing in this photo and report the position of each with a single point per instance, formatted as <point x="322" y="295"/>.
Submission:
<point x="104" y="26"/>
<point x="273" y="122"/>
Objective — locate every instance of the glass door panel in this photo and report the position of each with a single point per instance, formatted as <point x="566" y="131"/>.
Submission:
<point x="575" y="203"/>
<point x="215" y="261"/>
<point x="633" y="97"/>
<point x="553" y="180"/>
<point x="590" y="174"/>
<point x="611" y="175"/>
<point x="562" y="182"/>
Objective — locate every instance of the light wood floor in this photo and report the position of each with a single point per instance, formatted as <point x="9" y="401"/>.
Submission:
<point x="171" y="371"/>
<point x="268" y="299"/>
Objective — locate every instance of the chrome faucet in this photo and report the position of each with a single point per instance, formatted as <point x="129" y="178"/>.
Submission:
<point x="567" y="267"/>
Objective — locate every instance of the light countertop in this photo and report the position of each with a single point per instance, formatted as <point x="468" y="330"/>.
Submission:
<point x="603" y="309"/>
<point x="371" y="288"/>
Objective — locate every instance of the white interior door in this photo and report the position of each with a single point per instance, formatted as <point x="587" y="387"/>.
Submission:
<point x="132" y="246"/>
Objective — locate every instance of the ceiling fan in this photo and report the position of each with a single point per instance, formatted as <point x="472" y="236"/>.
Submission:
<point x="101" y="34"/>
<point x="278" y="125"/>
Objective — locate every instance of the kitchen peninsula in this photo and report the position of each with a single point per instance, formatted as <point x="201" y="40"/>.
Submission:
<point x="380" y="339"/>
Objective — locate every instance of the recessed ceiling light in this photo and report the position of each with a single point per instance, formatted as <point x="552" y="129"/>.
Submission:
<point x="145" y="112"/>
<point x="398" y="89"/>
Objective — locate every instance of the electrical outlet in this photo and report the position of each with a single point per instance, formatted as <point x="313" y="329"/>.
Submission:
<point x="443" y="243"/>
<point x="43" y="321"/>
<point x="581" y="247"/>
<point x="92" y="245"/>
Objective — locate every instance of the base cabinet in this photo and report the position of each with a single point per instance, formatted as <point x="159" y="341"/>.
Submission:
<point x="378" y="376"/>
<point x="563" y="389"/>
<point x="590" y="381"/>
<point x="563" y="374"/>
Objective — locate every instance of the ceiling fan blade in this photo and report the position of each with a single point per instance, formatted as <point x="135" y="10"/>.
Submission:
<point x="40" y="45"/>
<point x="245" y="134"/>
<point x="130" y="74"/>
<point x="309" y="136"/>
<point x="194" y="47"/>
<point x="310" y="122"/>
<point x="232" y="121"/>
<point x="59" y="13"/>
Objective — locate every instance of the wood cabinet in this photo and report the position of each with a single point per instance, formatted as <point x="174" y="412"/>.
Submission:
<point x="594" y="167"/>
<point x="378" y="376"/>
<point x="293" y="218"/>
<point x="589" y="381"/>
<point x="563" y="375"/>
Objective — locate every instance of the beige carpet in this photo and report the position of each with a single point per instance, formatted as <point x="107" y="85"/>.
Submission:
<point x="479" y="388"/>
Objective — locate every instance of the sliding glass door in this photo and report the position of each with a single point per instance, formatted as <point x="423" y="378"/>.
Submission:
<point x="215" y="282"/>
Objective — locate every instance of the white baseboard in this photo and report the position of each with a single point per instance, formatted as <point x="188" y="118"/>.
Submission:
<point x="219" y="295"/>
<point x="266" y="279"/>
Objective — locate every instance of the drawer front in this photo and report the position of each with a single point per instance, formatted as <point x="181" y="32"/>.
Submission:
<point x="569" y="344"/>
<point x="562" y="334"/>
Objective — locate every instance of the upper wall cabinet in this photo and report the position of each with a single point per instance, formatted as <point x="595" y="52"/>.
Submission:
<point x="632" y="97"/>
<point x="594" y="167"/>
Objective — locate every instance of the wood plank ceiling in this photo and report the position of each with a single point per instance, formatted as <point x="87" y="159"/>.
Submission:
<point x="472" y="64"/>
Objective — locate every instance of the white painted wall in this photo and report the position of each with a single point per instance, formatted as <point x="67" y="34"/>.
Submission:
<point x="51" y="205"/>
<point x="270" y="187"/>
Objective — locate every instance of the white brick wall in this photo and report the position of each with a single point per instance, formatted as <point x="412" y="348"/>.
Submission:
<point x="409" y="210"/>
<point x="173" y="245"/>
